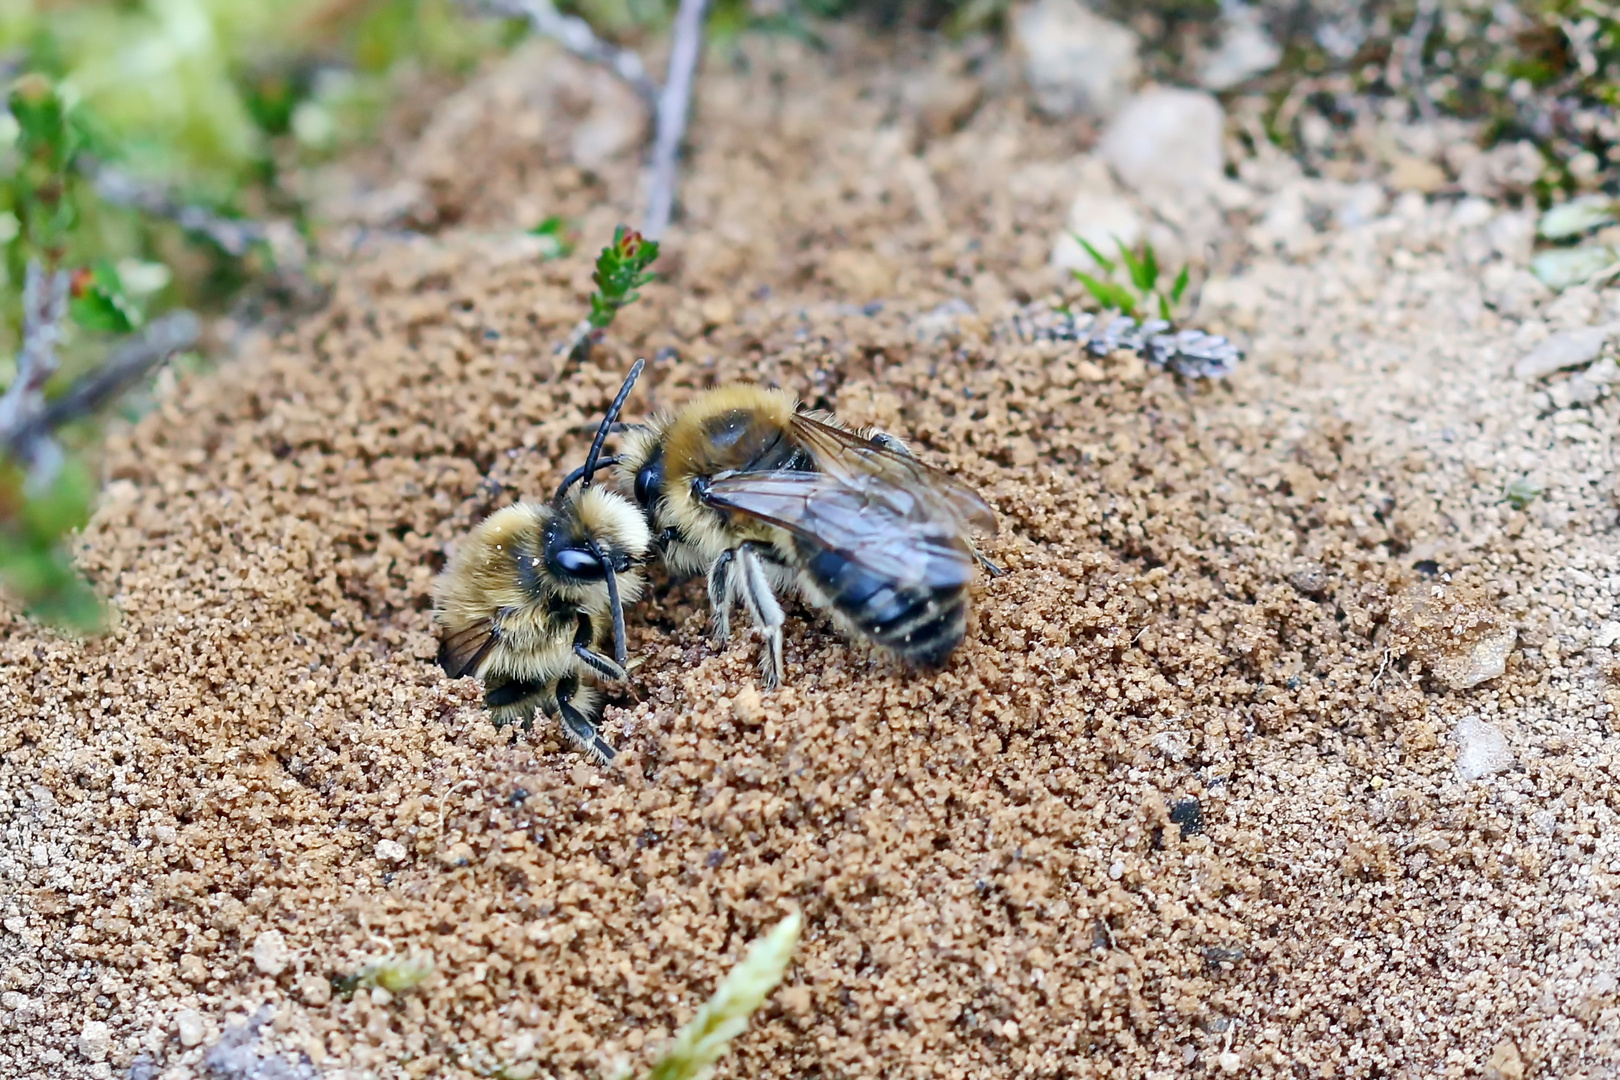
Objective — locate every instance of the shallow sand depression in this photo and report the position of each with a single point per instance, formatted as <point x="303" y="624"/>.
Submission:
<point x="1187" y="800"/>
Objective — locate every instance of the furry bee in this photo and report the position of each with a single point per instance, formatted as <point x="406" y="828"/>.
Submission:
<point x="762" y="496"/>
<point x="534" y="595"/>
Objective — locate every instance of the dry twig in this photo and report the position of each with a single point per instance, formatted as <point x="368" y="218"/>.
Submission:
<point x="575" y="35"/>
<point x="27" y="433"/>
<point x="673" y="105"/>
<point x="45" y="303"/>
<point x="233" y="236"/>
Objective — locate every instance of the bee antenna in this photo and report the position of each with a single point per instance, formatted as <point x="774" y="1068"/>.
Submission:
<point x="607" y="422"/>
<point x="614" y="603"/>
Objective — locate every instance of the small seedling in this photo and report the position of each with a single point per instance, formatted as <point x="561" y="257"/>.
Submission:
<point x="621" y="269"/>
<point x="1522" y="492"/>
<point x="1141" y="293"/>
<point x="725" y="1015"/>
<point x="396" y="974"/>
<point x="556" y="238"/>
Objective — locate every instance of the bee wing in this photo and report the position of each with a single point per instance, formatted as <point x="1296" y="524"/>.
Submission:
<point x="843" y="453"/>
<point x="878" y="526"/>
<point x="461" y="651"/>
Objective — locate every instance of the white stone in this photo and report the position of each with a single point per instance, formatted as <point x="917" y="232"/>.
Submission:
<point x="1075" y="61"/>
<point x="390" y="851"/>
<point x="189" y="1024"/>
<point x="1486" y="660"/>
<point x="16" y="925"/>
<point x="1565" y="350"/>
<point x="270" y="952"/>
<point x="95" y="1039"/>
<point x="1099" y="219"/>
<point x="1245" y="49"/>
<point x="1603" y="373"/>
<point x="1167" y="139"/>
<point x="12" y="1001"/>
<point x="1607" y="634"/>
<point x="1482" y="750"/>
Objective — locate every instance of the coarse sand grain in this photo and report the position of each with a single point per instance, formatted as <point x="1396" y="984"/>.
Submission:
<point x="1186" y="801"/>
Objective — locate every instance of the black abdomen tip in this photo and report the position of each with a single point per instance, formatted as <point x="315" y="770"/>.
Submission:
<point x="919" y="624"/>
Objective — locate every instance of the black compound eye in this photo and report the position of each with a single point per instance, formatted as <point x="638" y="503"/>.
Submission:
<point x="576" y="562"/>
<point x="650" y="481"/>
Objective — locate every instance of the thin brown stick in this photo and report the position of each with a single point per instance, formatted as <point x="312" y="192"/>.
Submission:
<point x="28" y="436"/>
<point x="575" y="35"/>
<point x="234" y="236"/>
<point x="673" y="105"/>
<point x="45" y="302"/>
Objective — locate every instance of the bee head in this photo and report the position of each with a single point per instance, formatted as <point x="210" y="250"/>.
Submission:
<point x="593" y="532"/>
<point x="597" y="535"/>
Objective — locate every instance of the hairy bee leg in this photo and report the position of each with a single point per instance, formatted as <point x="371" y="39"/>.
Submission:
<point x="762" y="604"/>
<point x="578" y="727"/>
<point x="720" y="595"/>
<point x="609" y="669"/>
<point x="989" y="567"/>
<point x="600" y="664"/>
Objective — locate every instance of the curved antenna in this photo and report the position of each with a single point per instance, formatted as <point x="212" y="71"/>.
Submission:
<point x="615" y="605"/>
<point x="585" y="472"/>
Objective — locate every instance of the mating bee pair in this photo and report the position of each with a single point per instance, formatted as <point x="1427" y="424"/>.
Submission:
<point x="743" y="486"/>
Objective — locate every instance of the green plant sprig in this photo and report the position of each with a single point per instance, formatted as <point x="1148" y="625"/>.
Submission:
<point x="1142" y="292"/>
<point x="621" y="269"/>
<point x="724" y="1016"/>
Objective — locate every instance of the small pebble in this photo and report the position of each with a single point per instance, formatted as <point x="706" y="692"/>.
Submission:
<point x="270" y="952"/>
<point x="189" y="1023"/>
<point x="315" y="990"/>
<point x="94" y="1040"/>
<point x="390" y="851"/>
<point x="1568" y="349"/>
<point x="1229" y="1062"/>
<point x="1116" y="871"/>
<point x="1481" y="749"/>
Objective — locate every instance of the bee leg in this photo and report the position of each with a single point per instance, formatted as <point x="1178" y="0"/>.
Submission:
<point x="601" y="664"/>
<point x="757" y="594"/>
<point x="720" y="594"/>
<point x="989" y="567"/>
<point x="512" y="701"/>
<point x="578" y="727"/>
<point x="608" y="669"/>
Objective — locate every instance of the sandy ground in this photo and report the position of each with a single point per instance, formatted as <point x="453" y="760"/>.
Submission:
<point x="1251" y="599"/>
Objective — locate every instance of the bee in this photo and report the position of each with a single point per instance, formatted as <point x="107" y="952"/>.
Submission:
<point x="535" y="594"/>
<point x="747" y="487"/>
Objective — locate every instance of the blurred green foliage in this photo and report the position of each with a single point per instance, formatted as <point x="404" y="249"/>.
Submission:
<point x="209" y="104"/>
<point x="1143" y="294"/>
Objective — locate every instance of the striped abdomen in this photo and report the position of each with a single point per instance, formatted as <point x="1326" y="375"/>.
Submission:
<point x="920" y="623"/>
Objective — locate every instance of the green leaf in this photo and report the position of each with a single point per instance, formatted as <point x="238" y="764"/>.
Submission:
<point x="101" y="302"/>
<point x="1522" y="492"/>
<point x="1578" y="216"/>
<point x="63" y="507"/>
<point x="1180" y="286"/>
<point x="1096" y="256"/>
<point x="1109" y="294"/>
<point x="1164" y="307"/>
<point x="557" y="240"/>
<point x="724" y="1016"/>
<point x="1138" y="267"/>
